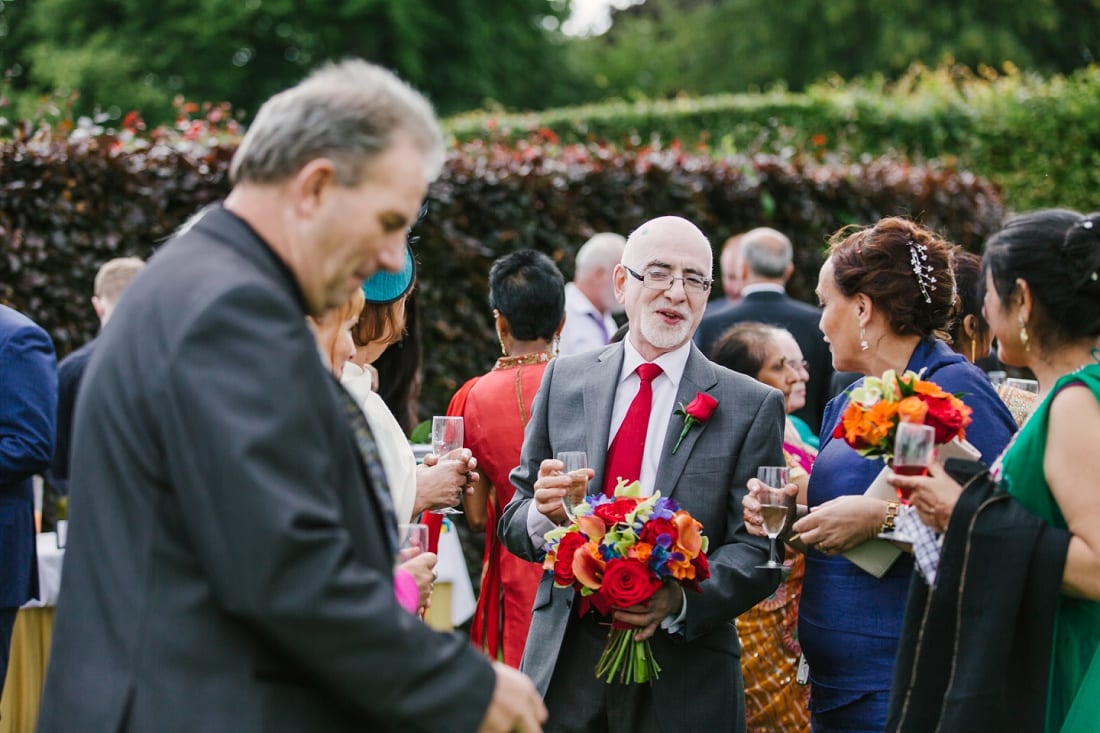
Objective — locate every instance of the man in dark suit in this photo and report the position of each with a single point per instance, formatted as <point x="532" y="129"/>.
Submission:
<point x="28" y="406"/>
<point x="766" y="265"/>
<point x="111" y="279"/>
<point x="232" y="545"/>
<point x="582" y="403"/>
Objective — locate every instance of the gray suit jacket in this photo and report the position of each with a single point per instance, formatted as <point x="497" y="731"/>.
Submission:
<point x="707" y="476"/>
<point x="228" y="567"/>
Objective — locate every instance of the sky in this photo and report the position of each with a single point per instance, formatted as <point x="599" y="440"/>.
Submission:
<point x="592" y="17"/>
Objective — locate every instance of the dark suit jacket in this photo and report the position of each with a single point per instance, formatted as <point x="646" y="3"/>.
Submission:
<point x="797" y="317"/>
<point x="28" y="405"/>
<point x="228" y="567"/>
<point x="70" y="373"/>
<point x="707" y="476"/>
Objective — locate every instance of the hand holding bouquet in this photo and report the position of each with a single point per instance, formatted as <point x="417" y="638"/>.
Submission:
<point x="617" y="552"/>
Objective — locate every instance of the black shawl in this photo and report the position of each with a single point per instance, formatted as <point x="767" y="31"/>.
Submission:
<point x="975" y="650"/>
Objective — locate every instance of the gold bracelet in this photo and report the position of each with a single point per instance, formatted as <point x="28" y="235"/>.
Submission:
<point x="891" y="515"/>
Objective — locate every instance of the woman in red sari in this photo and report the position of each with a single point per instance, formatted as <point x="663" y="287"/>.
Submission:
<point x="527" y="294"/>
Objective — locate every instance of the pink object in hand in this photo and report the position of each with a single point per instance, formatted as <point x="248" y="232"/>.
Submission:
<point x="406" y="591"/>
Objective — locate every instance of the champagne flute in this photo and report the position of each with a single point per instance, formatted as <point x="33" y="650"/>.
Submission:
<point x="575" y="464"/>
<point x="413" y="540"/>
<point x="775" y="505"/>
<point x="913" y="448"/>
<point x="447" y="437"/>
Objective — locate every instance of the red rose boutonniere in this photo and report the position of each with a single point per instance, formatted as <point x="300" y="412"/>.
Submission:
<point x="697" y="412"/>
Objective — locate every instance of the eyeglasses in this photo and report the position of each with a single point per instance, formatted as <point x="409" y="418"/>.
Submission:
<point x="663" y="280"/>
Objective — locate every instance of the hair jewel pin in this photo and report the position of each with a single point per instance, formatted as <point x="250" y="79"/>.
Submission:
<point x="918" y="260"/>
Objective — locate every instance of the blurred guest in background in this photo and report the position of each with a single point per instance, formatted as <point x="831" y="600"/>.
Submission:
<point x="729" y="263"/>
<point x="590" y="298"/>
<point x="28" y="410"/>
<point x="887" y="295"/>
<point x="970" y="334"/>
<point x="767" y="261"/>
<point x="1032" y="562"/>
<point x="527" y="296"/>
<point x="111" y="279"/>
<point x="774" y="699"/>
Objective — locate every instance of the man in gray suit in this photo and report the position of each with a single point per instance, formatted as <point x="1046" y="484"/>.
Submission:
<point x="663" y="281"/>
<point x="230" y="562"/>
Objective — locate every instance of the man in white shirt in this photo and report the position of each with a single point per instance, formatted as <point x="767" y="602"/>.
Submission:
<point x="663" y="281"/>
<point x="590" y="298"/>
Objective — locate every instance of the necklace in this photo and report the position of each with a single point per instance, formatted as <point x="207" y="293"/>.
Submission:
<point x="510" y="362"/>
<point x="517" y="363"/>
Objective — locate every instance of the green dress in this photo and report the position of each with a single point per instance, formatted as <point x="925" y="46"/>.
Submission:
<point x="1073" y="700"/>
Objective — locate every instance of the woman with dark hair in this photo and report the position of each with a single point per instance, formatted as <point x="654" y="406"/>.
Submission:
<point x="970" y="334"/>
<point x="887" y="296"/>
<point x="1042" y="274"/>
<point x="774" y="699"/>
<point x="527" y="295"/>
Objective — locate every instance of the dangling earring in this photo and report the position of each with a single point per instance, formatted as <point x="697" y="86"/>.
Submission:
<point x="973" y="350"/>
<point x="863" y="345"/>
<point x="555" y="347"/>
<point x="503" y="350"/>
<point x="1024" y="338"/>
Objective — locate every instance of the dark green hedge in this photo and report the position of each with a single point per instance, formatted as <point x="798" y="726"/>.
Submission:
<point x="66" y="207"/>
<point x="1039" y="139"/>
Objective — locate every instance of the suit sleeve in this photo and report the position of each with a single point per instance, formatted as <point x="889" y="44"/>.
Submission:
<point x="250" y="456"/>
<point x="735" y="584"/>
<point x="28" y="404"/>
<point x="512" y="529"/>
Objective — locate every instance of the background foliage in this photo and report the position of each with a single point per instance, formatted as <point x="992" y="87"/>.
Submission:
<point x="1038" y="138"/>
<point x="70" y="204"/>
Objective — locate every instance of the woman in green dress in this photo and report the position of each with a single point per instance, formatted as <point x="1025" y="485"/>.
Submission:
<point x="1042" y="275"/>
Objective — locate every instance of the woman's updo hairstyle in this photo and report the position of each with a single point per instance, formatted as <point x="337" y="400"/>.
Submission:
<point x="903" y="268"/>
<point x="1057" y="253"/>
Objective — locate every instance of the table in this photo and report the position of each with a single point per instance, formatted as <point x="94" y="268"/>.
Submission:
<point x="30" y="643"/>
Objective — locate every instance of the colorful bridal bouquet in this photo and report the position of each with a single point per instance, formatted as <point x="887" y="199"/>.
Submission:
<point x="875" y="408"/>
<point x="617" y="553"/>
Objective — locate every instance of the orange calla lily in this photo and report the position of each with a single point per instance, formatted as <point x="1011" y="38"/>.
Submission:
<point x="588" y="566"/>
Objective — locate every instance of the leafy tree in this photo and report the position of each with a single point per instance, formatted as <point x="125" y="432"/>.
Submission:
<point x="664" y="47"/>
<point x="142" y="53"/>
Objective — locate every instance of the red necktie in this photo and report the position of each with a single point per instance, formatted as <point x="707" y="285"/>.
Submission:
<point x="624" y="457"/>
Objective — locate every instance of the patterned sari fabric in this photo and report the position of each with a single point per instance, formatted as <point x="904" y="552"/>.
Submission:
<point x="774" y="700"/>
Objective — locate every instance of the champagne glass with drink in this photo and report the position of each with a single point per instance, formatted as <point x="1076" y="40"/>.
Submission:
<point x="447" y="437"/>
<point x="775" y="504"/>
<point x="575" y="464"/>
<point x="914" y="446"/>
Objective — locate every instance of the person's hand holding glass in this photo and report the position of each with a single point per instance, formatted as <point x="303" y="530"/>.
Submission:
<point x="768" y="509"/>
<point x="447" y="439"/>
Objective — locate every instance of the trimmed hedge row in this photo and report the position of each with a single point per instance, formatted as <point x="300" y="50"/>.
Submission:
<point x="1037" y="138"/>
<point x="67" y="206"/>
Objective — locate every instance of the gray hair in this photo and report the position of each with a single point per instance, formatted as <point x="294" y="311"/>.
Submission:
<point x="113" y="277"/>
<point x="348" y="112"/>
<point x="603" y="249"/>
<point x="767" y="252"/>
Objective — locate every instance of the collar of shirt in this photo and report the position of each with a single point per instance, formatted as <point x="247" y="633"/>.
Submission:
<point x="577" y="302"/>
<point x="762" y="288"/>
<point x="665" y="387"/>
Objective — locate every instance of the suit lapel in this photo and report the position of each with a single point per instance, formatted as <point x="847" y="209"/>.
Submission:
<point x="599" y="400"/>
<point x="699" y="376"/>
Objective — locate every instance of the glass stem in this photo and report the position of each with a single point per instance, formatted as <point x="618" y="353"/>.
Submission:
<point x="771" y="553"/>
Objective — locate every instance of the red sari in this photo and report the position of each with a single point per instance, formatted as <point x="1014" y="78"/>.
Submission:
<point x="496" y="410"/>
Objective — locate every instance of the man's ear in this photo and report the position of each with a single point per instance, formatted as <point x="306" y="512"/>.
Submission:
<point x="619" y="276"/>
<point x="311" y="184"/>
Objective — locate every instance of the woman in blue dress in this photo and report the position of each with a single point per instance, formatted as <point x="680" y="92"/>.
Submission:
<point x="887" y="295"/>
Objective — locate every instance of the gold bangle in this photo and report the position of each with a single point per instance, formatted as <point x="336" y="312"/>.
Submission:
<point x="891" y="515"/>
